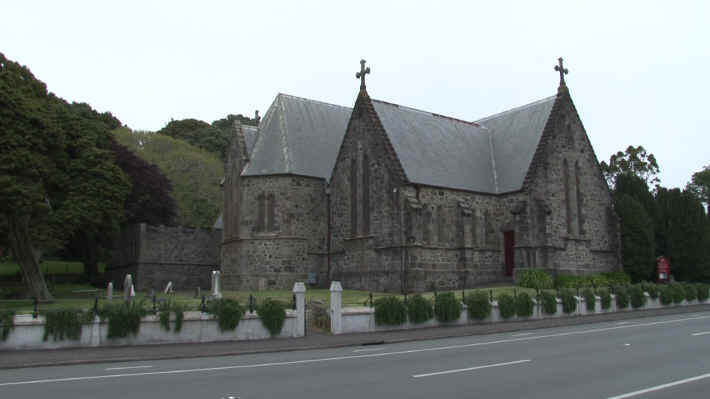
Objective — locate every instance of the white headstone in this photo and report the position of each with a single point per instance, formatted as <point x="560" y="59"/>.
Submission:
<point x="168" y="288"/>
<point x="216" y="292"/>
<point x="127" y="284"/>
<point x="133" y="292"/>
<point x="109" y="291"/>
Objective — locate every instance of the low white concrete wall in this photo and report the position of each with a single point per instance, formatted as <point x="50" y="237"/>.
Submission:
<point x="197" y="327"/>
<point x="362" y="319"/>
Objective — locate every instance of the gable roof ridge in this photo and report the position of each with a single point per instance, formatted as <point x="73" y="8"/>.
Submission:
<point x="515" y="109"/>
<point x="309" y="100"/>
<point x="283" y="136"/>
<point x="493" y="160"/>
<point x="434" y="114"/>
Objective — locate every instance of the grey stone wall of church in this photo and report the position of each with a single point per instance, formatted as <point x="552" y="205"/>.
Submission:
<point x="155" y="255"/>
<point x="282" y="233"/>
<point x="580" y="233"/>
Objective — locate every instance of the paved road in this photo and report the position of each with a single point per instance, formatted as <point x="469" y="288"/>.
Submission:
<point x="659" y="357"/>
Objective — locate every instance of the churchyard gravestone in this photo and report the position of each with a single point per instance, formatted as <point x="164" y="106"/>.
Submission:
<point x="109" y="291"/>
<point x="216" y="292"/>
<point x="127" y="284"/>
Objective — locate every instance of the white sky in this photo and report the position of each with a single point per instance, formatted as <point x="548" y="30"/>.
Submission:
<point x="638" y="70"/>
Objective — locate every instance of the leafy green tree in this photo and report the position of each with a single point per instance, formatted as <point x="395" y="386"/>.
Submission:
<point x="56" y="172"/>
<point x="635" y="187"/>
<point x="683" y="234"/>
<point x="637" y="238"/>
<point x="195" y="174"/>
<point x="700" y="186"/>
<point x="636" y="161"/>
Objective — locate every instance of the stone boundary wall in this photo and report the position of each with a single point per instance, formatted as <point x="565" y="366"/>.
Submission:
<point x="197" y="327"/>
<point x="362" y="319"/>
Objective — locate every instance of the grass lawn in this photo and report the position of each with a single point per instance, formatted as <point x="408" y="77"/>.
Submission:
<point x="69" y="296"/>
<point x="48" y="267"/>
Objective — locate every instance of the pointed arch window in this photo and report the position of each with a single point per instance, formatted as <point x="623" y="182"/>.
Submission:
<point x="353" y="197"/>
<point x="567" y="194"/>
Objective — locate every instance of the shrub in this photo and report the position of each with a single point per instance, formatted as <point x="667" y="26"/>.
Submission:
<point x="638" y="297"/>
<point x="524" y="305"/>
<point x="123" y="319"/>
<point x="589" y="299"/>
<point x="534" y="278"/>
<point x="228" y="313"/>
<point x="272" y="314"/>
<point x="690" y="292"/>
<point x="6" y="323"/>
<point x="549" y="302"/>
<point x="617" y="278"/>
<point x="651" y="288"/>
<point x="506" y="306"/>
<point x="678" y="292"/>
<point x="479" y="307"/>
<point x="65" y="323"/>
<point x="419" y="309"/>
<point x="566" y="281"/>
<point x="164" y="315"/>
<point x="703" y="291"/>
<point x="622" y="297"/>
<point x="598" y="281"/>
<point x="666" y="295"/>
<point x="390" y="310"/>
<point x="447" y="307"/>
<point x="605" y="298"/>
<point x="569" y="303"/>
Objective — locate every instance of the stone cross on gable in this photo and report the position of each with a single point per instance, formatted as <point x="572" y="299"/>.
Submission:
<point x="562" y="70"/>
<point x="361" y="75"/>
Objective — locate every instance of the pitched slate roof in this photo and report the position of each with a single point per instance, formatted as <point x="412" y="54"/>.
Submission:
<point x="298" y="136"/>
<point x="436" y="150"/>
<point x="492" y="155"/>
<point x="514" y="137"/>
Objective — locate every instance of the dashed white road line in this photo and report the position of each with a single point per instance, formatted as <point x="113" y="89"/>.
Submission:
<point x="127" y="368"/>
<point x="471" y="368"/>
<point x="659" y="387"/>
<point x="521" y="334"/>
<point x="697" y="334"/>
<point x="368" y="355"/>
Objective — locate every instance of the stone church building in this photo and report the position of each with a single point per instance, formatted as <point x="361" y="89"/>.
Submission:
<point x="389" y="198"/>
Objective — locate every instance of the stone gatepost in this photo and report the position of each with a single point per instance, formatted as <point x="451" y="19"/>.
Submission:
<point x="299" y="290"/>
<point x="336" y="308"/>
<point x="109" y="291"/>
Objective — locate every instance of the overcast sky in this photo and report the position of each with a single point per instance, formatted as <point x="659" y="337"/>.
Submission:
<point x="638" y="70"/>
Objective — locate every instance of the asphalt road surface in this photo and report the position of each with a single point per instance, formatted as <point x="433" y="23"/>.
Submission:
<point x="661" y="357"/>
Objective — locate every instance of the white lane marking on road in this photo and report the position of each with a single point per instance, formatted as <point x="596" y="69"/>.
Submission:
<point x="627" y="344"/>
<point x="470" y="368"/>
<point x="127" y="368"/>
<point x="622" y="322"/>
<point x="659" y="387"/>
<point x="369" y="349"/>
<point x="328" y="359"/>
<point x="700" y="333"/>
<point x="521" y="334"/>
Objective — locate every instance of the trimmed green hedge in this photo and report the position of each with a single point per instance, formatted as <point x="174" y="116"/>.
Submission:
<point x="622" y="297"/>
<point x="447" y="307"/>
<point x="479" y="307"/>
<point x="549" y="302"/>
<point x="164" y="315"/>
<point x="123" y="318"/>
<point x="390" y="310"/>
<point x="65" y="323"/>
<point x="524" y="305"/>
<point x="272" y="314"/>
<point x="569" y="303"/>
<point x="590" y="299"/>
<point x="419" y="309"/>
<point x="666" y="295"/>
<point x="506" y="306"/>
<point x="6" y="323"/>
<point x="637" y="296"/>
<point x="703" y="291"/>
<point x="228" y="313"/>
<point x="651" y="288"/>
<point x="534" y="278"/>
<point x="678" y="292"/>
<point x="691" y="293"/>
<point x="605" y="298"/>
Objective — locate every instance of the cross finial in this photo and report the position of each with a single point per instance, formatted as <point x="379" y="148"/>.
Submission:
<point x="562" y="70"/>
<point x="361" y="75"/>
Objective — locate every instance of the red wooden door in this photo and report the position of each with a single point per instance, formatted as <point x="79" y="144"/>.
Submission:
<point x="509" y="253"/>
